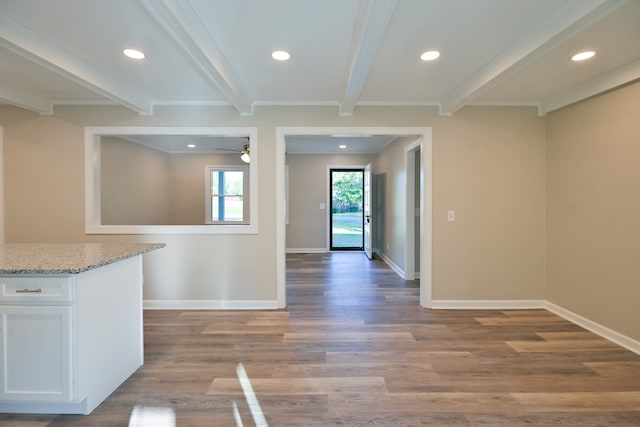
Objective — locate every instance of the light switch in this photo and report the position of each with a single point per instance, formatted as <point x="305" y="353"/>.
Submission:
<point x="451" y="216"/>
<point x="322" y="206"/>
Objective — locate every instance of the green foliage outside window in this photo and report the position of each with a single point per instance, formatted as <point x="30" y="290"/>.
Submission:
<point x="347" y="191"/>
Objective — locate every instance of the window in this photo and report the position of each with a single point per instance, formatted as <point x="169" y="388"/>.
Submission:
<point x="227" y="195"/>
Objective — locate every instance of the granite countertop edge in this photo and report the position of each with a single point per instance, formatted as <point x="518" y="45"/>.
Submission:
<point x="81" y="265"/>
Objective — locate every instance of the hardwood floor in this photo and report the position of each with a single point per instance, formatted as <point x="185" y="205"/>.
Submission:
<point x="354" y="348"/>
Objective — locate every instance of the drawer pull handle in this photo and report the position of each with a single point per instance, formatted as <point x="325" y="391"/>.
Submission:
<point x="28" y="291"/>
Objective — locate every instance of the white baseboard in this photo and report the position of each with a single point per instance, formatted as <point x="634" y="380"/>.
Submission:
<point x="598" y="329"/>
<point x="391" y="264"/>
<point x="307" y="250"/>
<point x="609" y="334"/>
<point x="487" y="304"/>
<point x="209" y="305"/>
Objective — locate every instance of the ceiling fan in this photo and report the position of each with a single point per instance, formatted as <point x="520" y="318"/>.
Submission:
<point x="245" y="153"/>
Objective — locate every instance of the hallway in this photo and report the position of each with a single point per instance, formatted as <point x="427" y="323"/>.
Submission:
<point x="354" y="348"/>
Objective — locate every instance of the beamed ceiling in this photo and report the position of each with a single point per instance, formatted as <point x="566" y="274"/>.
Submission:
<point x="344" y="53"/>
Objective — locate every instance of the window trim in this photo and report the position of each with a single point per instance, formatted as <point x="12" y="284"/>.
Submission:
<point x="93" y="223"/>
<point x="246" y="192"/>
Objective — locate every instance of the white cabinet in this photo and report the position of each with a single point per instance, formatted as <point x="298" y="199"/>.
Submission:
<point x="68" y="341"/>
<point x="36" y="346"/>
<point x="35" y="353"/>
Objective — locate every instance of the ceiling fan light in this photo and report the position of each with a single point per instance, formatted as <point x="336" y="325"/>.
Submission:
<point x="245" y="156"/>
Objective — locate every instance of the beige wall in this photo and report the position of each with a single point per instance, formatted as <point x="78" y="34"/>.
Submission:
<point x="489" y="168"/>
<point x="133" y="183"/>
<point x="44" y="179"/>
<point x="390" y="187"/>
<point x="593" y="213"/>
<point x="488" y="164"/>
<point x="308" y="180"/>
<point x="44" y="199"/>
<point x="144" y="186"/>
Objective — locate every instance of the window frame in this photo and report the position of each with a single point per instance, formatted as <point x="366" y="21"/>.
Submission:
<point x="246" y="192"/>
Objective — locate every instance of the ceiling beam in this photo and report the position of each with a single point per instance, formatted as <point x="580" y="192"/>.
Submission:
<point x="22" y="99"/>
<point x="39" y="50"/>
<point x="371" y="25"/>
<point x="181" y="22"/>
<point x="616" y="78"/>
<point x="561" y="24"/>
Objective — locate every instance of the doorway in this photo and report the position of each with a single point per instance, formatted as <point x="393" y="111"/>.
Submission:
<point x="426" y="172"/>
<point x="346" y="221"/>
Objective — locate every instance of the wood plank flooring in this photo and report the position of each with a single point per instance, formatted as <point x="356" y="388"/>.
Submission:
<point x="354" y="348"/>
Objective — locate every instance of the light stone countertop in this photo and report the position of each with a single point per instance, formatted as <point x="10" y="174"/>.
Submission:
<point x="66" y="258"/>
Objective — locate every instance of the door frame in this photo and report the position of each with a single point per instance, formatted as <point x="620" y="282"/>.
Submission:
<point x="367" y="214"/>
<point x="410" y="152"/>
<point x="426" y="157"/>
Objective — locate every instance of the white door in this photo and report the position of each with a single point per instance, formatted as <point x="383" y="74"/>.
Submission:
<point x="368" y="221"/>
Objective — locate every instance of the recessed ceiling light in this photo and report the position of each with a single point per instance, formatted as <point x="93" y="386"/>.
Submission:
<point x="430" y="55"/>
<point x="133" y="53"/>
<point x="191" y="145"/>
<point x="280" y="55"/>
<point x="342" y="147"/>
<point x="582" y="56"/>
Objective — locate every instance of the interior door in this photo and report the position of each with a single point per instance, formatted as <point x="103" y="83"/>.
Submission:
<point x="368" y="221"/>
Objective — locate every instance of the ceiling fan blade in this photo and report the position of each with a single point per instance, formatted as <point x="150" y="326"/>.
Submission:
<point x="227" y="149"/>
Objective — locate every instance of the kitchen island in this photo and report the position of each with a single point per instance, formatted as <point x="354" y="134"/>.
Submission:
<point x="70" y="324"/>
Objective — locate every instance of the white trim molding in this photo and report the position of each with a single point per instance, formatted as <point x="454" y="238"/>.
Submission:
<point x="410" y="208"/>
<point x="598" y="329"/>
<point x="400" y="272"/>
<point x="307" y="250"/>
<point x="210" y="305"/>
<point x="487" y="304"/>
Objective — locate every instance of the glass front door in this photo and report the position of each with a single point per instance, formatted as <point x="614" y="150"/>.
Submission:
<point x="347" y="213"/>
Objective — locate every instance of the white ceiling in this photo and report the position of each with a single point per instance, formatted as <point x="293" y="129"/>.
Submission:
<point x="344" y="53"/>
<point x="189" y="144"/>
<point x="296" y="144"/>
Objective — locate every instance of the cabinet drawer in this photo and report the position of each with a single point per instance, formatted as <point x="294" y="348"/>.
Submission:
<point x="35" y="289"/>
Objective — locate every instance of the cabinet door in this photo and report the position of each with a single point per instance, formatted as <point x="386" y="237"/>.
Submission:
<point x="35" y="353"/>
